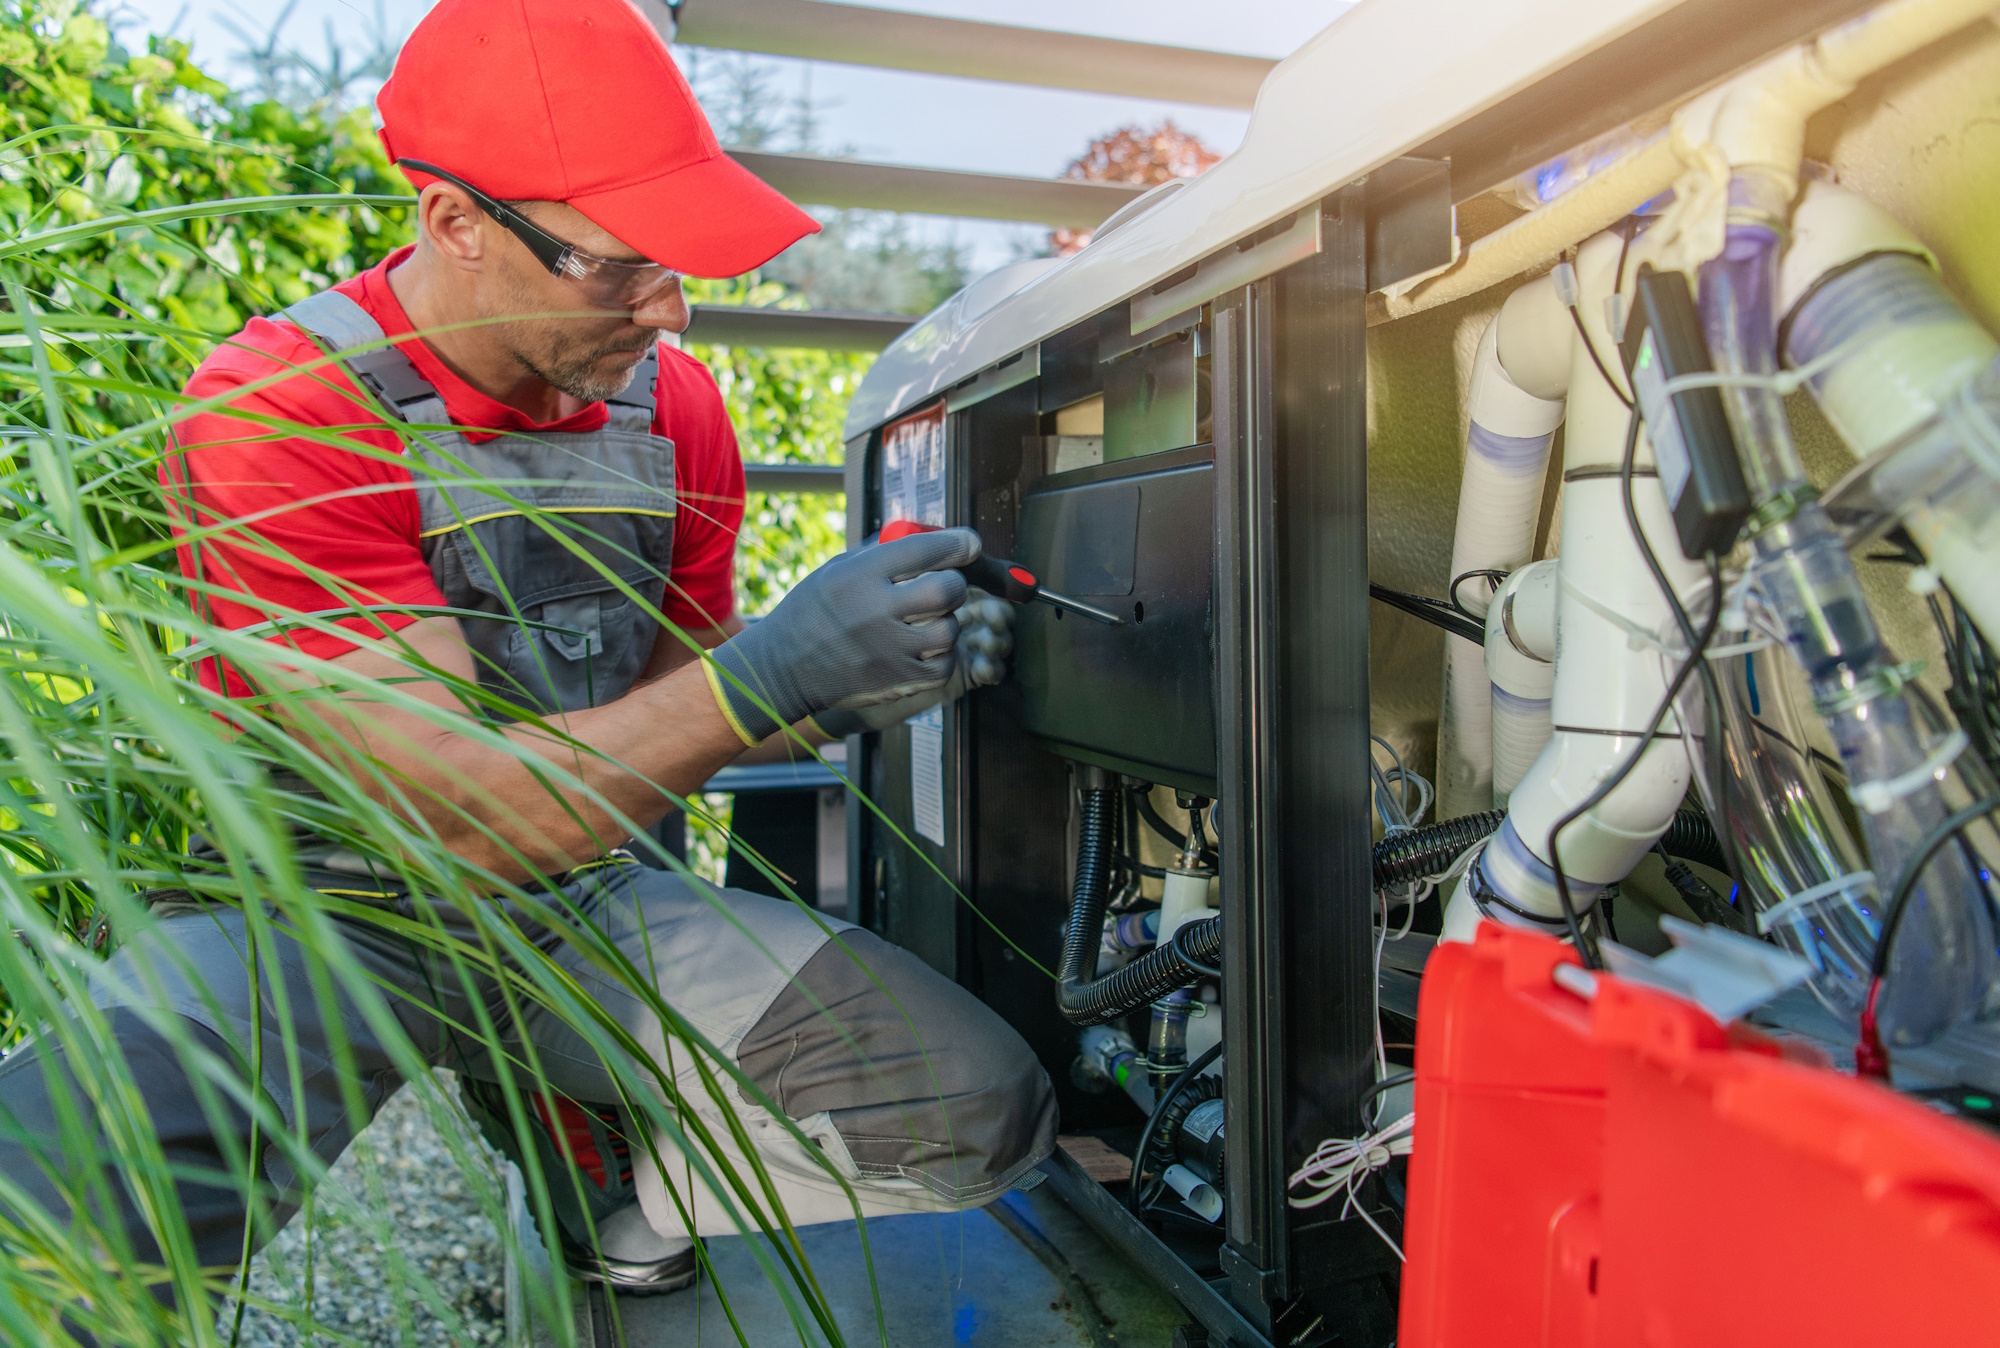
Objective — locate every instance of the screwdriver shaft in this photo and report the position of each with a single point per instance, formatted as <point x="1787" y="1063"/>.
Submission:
<point x="1078" y="607"/>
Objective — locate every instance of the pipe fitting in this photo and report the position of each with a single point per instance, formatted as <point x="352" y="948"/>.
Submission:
<point x="1520" y="667"/>
<point x="1508" y="435"/>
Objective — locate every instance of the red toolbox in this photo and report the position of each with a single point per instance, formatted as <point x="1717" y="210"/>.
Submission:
<point x="1619" y="1169"/>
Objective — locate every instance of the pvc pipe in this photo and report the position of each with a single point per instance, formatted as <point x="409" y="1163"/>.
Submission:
<point x="1183" y="898"/>
<point x="1508" y="434"/>
<point x="1857" y="287"/>
<point x="1596" y="203"/>
<point x="1899" y="759"/>
<point x="1196" y="1192"/>
<point x="1109" y="1054"/>
<point x="1758" y="119"/>
<point x="1907" y="365"/>
<point x="1520" y="667"/>
<point x="1609" y="676"/>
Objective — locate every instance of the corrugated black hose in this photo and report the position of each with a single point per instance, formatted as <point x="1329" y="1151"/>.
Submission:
<point x="1691" y="837"/>
<point x="1426" y="851"/>
<point x="1086" y="999"/>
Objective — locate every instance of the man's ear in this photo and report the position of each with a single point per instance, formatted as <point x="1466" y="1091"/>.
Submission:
<point x="449" y="220"/>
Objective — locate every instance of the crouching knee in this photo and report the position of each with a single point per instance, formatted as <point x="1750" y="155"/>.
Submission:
<point x="922" y="1082"/>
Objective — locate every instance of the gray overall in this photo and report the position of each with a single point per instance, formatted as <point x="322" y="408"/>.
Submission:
<point x="950" y="1107"/>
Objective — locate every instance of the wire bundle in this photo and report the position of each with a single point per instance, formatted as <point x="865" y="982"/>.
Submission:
<point x="1340" y="1164"/>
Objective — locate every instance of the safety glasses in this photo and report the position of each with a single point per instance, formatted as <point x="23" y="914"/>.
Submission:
<point x="605" y="283"/>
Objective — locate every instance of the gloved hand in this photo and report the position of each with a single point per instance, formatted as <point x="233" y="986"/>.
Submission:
<point x="985" y="639"/>
<point x="869" y="627"/>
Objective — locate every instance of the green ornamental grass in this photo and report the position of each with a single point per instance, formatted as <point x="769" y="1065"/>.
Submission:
<point x="146" y="212"/>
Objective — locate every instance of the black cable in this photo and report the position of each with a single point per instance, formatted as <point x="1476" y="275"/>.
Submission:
<point x="1583" y="334"/>
<point x="1174" y="1088"/>
<point x="1683" y="837"/>
<point x="1187" y="957"/>
<point x="1703" y="901"/>
<point x="1906" y="884"/>
<point x="1487" y="572"/>
<point x="1388" y="1083"/>
<point x="1083" y="997"/>
<point x="1433" y="611"/>
<point x="1172" y="1119"/>
<point x="1697" y="649"/>
<point x="1139" y="795"/>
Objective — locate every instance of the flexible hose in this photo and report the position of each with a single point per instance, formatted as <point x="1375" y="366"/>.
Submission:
<point x="1691" y="837"/>
<point x="1163" y="1149"/>
<point x="1083" y="997"/>
<point x="1425" y="851"/>
<point x="1419" y="852"/>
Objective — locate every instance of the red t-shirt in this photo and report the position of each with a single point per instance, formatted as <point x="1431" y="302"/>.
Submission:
<point x="343" y="525"/>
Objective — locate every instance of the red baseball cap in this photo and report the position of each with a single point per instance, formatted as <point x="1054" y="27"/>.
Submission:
<point x="579" y="101"/>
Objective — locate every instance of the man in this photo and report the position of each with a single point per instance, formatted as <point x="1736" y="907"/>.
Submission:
<point x="545" y="459"/>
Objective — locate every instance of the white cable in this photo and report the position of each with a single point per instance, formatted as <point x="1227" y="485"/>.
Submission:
<point x="1381" y="936"/>
<point x="1340" y="1165"/>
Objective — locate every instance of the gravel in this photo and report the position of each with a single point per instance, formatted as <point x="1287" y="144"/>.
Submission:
<point x="397" y="1193"/>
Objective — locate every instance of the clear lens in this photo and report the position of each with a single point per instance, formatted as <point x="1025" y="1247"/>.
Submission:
<point x="608" y="284"/>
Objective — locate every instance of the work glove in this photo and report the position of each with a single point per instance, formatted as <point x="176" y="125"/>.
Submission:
<point x="985" y="640"/>
<point x="869" y="627"/>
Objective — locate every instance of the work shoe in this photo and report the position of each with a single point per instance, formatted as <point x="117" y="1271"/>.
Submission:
<point x="631" y="1258"/>
<point x="632" y="1278"/>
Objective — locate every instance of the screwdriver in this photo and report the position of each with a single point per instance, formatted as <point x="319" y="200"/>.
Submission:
<point x="1010" y="580"/>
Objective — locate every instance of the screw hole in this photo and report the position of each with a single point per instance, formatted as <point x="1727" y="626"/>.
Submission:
<point x="1138" y="613"/>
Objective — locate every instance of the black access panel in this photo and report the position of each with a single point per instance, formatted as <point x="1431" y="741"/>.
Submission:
<point x="1137" y="697"/>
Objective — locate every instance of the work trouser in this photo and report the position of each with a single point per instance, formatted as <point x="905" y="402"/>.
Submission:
<point x="914" y="1090"/>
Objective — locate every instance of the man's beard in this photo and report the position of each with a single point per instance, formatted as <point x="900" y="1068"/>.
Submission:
<point x="555" y="351"/>
<point x="580" y="372"/>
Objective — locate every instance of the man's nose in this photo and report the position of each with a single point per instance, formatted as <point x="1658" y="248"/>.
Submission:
<point x="668" y="309"/>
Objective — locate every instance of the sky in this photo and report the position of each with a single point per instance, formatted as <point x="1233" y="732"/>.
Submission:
<point x="892" y="116"/>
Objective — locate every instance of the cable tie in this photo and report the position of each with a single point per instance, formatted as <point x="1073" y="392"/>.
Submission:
<point x="1795" y="904"/>
<point x="1885" y="682"/>
<point x="1878" y="797"/>
<point x="1568" y="292"/>
<point x="1636" y="637"/>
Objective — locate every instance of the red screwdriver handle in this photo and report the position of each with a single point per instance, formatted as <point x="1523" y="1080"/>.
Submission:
<point x="995" y="575"/>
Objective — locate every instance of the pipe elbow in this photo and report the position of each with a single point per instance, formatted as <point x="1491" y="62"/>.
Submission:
<point x="1604" y="844"/>
<point x="1532" y="338"/>
<point x="1520" y="671"/>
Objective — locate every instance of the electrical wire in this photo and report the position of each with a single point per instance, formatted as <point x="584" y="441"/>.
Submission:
<point x="1697" y="649"/>
<point x="1380" y="1088"/>
<point x="1187" y="956"/>
<point x="1871" y="1055"/>
<point x="1711" y="690"/>
<point x="1436" y="612"/>
<point x="1485" y="572"/>
<point x="1174" y="1088"/>
<point x="1583" y="334"/>
<point x="1140" y="795"/>
<point x="1340" y="1165"/>
<point x="1398" y="817"/>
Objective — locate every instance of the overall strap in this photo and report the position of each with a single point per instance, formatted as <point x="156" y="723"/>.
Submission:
<point x="344" y="325"/>
<point x="633" y="409"/>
